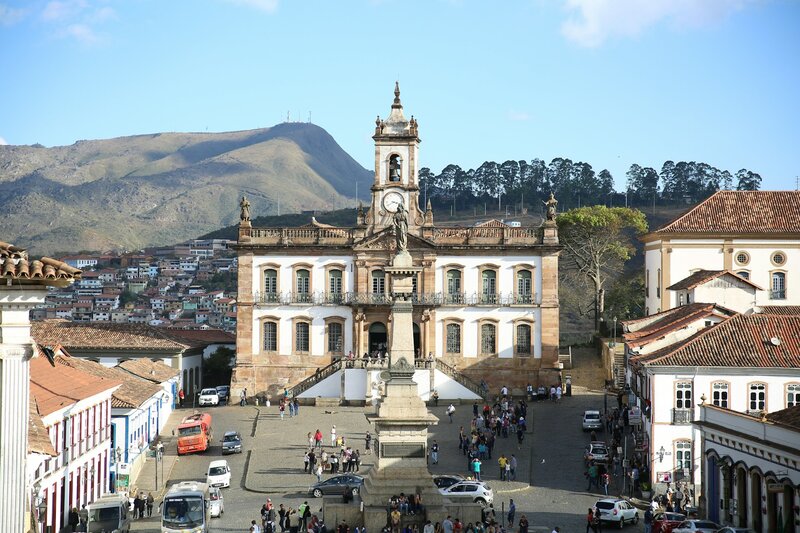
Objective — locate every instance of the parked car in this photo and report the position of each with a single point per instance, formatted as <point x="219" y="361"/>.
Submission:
<point x="619" y="511"/>
<point x="696" y="526"/>
<point x="730" y="529"/>
<point x="208" y="397"/>
<point x="337" y="485"/>
<point x="216" y="505"/>
<point x="473" y="491"/>
<point x="664" y="522"/>
<point x="219" y="474"/>
<point x="231" y="442"/>
<point x="224" y="393"/>
<point x="442" y="482"/>
<point x="596" y="451"/>
<point x="592" y="420"/>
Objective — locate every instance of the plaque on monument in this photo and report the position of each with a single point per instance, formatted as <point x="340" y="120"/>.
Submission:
<point x="402" y="450"/>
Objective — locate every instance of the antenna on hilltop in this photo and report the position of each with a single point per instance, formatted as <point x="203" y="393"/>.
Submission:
<point x="288" y="114"/>
<point x="309" y="117"/>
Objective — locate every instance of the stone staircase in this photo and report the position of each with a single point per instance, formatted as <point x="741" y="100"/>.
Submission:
<point x="460" y="378"/>
<point x="315" y="378"/>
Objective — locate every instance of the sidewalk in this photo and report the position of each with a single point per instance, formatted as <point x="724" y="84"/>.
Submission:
<point x="146" y="479"/>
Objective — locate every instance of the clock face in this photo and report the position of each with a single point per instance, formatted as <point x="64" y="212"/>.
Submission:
<point x="391" y="200"/>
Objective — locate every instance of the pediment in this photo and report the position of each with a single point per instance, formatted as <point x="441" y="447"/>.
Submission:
<point x="384" y="240"/>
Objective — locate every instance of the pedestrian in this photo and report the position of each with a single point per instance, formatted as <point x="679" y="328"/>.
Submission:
<point x="181" y="396"/>
<point x="598" y="523"/>
<point x="282" y="409"/>
<point x="318" y="439"/>
<point x="296" y="406"/>
<point x="556" y="530"/>
<point x="149" y="503"/>
<point x="592" y="476"/>
<point x="435" y="397"/>
<point x="447" y="525"/>
<point x="282" y="515"/>
<point x="333" y="436"/>
<point x="435" y="452"/>
<point x="319" y="472"/>
<point x="476" y="468"/>
<point x="512" y="468"/>
<point x="523" y="524"/>
<point x="254" y="527"/>
<point x="604" y="480"/>
<point x="648" y="520"/>
<point x="502" y="462"/>
<point x="306" y="458"/>
<point x="243" y="397"/>
<point x="368" y="443"/>
<point x="451" y="409"/>
<point x="512" y="510"/>
<point x="590" y="521"/>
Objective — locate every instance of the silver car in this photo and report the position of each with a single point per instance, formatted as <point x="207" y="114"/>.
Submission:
<point x="474" y="491"/>
<point x="216" y="503"/>
<point x="592" y="420"/>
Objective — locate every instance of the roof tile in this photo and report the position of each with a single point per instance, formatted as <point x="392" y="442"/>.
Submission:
<point x="15" y="264"/>
<point x="56" y="387"/>
<point x="73" y="335"/>
<point x="702" y="276"/>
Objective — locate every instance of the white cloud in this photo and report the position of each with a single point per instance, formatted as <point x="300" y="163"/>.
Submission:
<point x="591" y="22"/>
<point x="81" y="33"/>
<point x="3" y="141"/>
<point x="63" y="9"/>
<point x="518" y="116"/>
<point x="10" y="15"/>
<point x="267" y="6"/>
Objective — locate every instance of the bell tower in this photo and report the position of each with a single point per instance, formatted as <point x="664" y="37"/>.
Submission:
<point x="396" y="169"/>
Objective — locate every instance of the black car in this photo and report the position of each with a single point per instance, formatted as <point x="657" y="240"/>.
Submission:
<point x="337" y="485"/>
<point x="442" y="482"/>
<point x="231" y="442"/>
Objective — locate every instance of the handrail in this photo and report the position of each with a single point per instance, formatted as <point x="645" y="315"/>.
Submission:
<point x="460" y="378"/>
<point x="316" y="377"/>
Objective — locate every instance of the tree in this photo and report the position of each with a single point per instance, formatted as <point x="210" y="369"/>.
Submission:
<point x="219" y="366"/>
<point x="748" y="181"/>
<point x="597" y="241"/>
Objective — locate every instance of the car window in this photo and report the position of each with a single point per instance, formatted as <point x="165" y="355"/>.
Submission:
<point x="217" y="471"/>
<point x="472" y="488"/>
<point x="683" y="525"/>
<point x="705" y="525"/>
<point x="457" y="488"/>
<point x="604" y="505"/>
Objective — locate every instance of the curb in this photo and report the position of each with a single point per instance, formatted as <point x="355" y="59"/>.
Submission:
<point x="512" y="491"/>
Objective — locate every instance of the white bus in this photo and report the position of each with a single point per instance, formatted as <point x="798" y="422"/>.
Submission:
<point x="185" y="508"/>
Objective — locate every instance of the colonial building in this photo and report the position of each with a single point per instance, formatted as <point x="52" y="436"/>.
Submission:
<point x="755" y="234"/>
<point x="486" y="300"/>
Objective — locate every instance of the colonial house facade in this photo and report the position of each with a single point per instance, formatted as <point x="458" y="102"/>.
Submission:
<point x="485" y="302"/>
<point x="755" y="234"/>
<point x="752" y="468"/>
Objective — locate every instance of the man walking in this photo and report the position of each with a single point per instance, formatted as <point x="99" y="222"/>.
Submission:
<point x="435" y="452"/>
<point x="512" y="464"/>
<point x="451" y="409"/>
<point x="512" y="510"/>
<point x="648" y="520"/>
<point x="502" y="463"/>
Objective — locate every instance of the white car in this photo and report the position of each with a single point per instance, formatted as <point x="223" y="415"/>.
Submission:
<point x="696" y="526"/>
<point x="619" y="511"/>
<point x="473" y="491"/>
<point x="219" y="474"/>
<point x="216" y="504"/>
<point x="592" y="420"/>
<point x="208" y="397"/>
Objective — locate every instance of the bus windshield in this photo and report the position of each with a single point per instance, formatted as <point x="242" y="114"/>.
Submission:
<point x="186" y="432"/>
<point x="183" y="512"/>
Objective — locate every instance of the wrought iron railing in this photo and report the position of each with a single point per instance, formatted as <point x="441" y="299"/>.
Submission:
<point x="682" y="417"/>
<point x="369" y="298"/>
<point x="320" y="374"/>
<point x="457" y="376"/>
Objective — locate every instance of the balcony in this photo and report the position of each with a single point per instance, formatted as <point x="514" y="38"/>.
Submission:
<point x="682" y="417"/>
<point x="367" y="298"/>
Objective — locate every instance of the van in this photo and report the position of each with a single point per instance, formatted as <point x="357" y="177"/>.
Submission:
<point x="109" y="513"/>
<point x="219" y="474"/>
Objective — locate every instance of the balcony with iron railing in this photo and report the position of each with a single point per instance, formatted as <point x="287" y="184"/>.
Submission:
<point x="682" y="417"/>
<point x="369" y="298"/>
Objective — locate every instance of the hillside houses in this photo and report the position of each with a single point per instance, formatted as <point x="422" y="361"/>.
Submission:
<point x="172" y="287"/>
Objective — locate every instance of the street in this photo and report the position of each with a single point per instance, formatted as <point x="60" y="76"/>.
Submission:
<point x="271" y="465"/>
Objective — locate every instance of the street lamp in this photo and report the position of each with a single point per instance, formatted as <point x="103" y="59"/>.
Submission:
<point x="40" y="503"/>
<point x="660" y="454"/>
<point x="118" y="455"/>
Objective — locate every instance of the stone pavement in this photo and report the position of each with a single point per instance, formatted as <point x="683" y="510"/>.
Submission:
<point x="146" y="478"/>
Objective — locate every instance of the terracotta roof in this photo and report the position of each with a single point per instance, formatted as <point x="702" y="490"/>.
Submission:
<point x="641" y="331"/>
<point x="701" y="276"/>
<point x="95" y="335"/>
<point x="38" y="436"/>
<point x="780" y="309"/>
<point x="744" y="341"/>
<point x="153" y="371"/>
<point x="745" y="212"/>
<point x="58" y="387"/>
<point x="132" y="392"/>
<point x="786" y="417"/>
<point x="15" y="264"/>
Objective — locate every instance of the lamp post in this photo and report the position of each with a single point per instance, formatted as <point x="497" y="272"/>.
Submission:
<point x="92" y="481"/>
<point x="660" y="454"/>
<point x="118" y="455"/>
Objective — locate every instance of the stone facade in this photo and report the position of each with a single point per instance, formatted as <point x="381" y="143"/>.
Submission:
<point x="485" y="298"/>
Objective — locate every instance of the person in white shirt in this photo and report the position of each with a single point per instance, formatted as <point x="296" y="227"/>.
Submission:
<point x="254" y="527"/>
<point x="450" y="410"/>
<point x="558" y="393"/>
<point x="504" y="391"/>
<point x="428" y="528"/>
<point x="333" y="436"/>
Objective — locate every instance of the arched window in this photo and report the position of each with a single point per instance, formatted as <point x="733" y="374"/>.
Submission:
<point x="453" y="332"/>
<point x="335" y="281"/>
<point x="270" y="328"/>
<point x="683" y="395"/>
<point x="270" y="285"/>
<point x="778" y="286"/>
<point x="523" y="340"/>
<point x="792" y="394"/>
<point x="683" y="459"/>
<point x="719" y="394"/>
<point x="524" y="287"/>
<point x="488" y="339"/>
<point x="488" y="287"/>
<point x="302" y="285"/>
<point x="302" y="330"/>
<point x="335" y="337"/>
<point x="395" y="168"/>
<point x="757" y="400"/>
<point x="453" y="287"/>
<point x="743" y="274"/>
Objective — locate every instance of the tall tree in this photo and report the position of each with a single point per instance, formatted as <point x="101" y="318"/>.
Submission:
<point x="748" y="181"/>
<point x="598" y="241"/>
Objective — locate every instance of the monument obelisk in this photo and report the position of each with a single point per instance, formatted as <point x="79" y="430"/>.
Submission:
<point x="401" y="418"/>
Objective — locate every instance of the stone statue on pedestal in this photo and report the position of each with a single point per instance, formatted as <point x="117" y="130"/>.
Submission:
<point x="400" y="221"/>
<point x="551" y="204"/>
<point x="244" y="215"/>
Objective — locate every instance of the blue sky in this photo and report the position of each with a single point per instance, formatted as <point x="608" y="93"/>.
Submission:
<point x="609" y="82"/>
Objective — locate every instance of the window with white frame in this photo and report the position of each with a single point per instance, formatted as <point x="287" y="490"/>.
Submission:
<point x="378" y="282"/>
<point x="454" y="286"/>
<point x="335" y="281"/>
<point x="778" y="286"/>
<point x="719" y="394"/>
<point x="488" y="287"/>
<point x="758" y="397"/>
<point x="792" y="394"/>
<point x="683" y="395"/>
<point x="524" y="287"/>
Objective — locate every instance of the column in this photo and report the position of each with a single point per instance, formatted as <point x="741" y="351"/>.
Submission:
<point x="14" y="409"/>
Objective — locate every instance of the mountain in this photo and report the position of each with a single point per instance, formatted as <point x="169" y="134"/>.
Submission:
<point x="131" y="192"/>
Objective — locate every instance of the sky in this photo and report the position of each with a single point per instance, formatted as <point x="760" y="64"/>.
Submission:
<point x="608" y="82"/>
